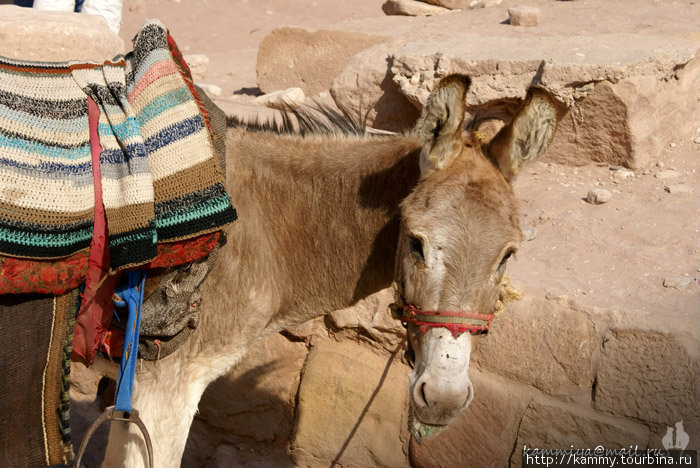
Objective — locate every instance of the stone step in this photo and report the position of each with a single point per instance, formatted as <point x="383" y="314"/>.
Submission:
<point x="52" y="36"/>
<point x="624" y="92"/>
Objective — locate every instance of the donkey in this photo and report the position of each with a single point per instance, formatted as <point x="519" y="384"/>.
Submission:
<point x="332" y="215"/>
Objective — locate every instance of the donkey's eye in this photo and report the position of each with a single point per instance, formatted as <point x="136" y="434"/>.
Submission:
<point x="505" y="258"/>
<point x="417" y="248"/>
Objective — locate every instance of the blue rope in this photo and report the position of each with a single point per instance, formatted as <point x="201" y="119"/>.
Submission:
<point x="132" y="295"/>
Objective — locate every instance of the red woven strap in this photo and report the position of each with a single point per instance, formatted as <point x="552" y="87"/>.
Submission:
<point x="456" y="322"/>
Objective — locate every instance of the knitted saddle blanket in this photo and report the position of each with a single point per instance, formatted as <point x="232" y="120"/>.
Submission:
<point x="160" y="178"/>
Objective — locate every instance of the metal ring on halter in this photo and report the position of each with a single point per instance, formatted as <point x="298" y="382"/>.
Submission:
<point x="110" y="415"/>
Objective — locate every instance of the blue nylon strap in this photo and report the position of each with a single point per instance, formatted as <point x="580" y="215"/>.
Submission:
<point x="132" y="294"/>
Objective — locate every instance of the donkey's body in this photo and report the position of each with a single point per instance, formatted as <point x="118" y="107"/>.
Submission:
<point x="325" y="220"/>
<point x="317" y="231"/>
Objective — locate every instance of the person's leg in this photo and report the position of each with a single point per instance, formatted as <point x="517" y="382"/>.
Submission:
<point x="109" y="10"/>
<point x="55" y="5"/>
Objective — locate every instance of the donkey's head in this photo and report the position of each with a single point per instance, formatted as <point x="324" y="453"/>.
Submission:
<point x="459" y="227"/>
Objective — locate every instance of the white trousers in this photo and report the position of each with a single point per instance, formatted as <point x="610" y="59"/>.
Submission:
<point x="108" y="10"/>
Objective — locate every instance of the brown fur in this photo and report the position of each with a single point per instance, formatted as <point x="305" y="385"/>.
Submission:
<point x="323" y="219"/>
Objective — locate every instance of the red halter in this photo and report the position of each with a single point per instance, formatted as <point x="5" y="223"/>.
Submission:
<point x="456" y="322"/>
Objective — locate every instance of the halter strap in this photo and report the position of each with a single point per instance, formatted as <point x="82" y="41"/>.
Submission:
<point x="457" y="322"/>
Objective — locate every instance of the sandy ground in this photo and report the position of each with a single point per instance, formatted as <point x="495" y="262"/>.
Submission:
<point x="615" y="255"/>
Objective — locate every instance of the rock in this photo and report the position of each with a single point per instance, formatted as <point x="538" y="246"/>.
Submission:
<point x="412" y="8"/>
<point x="548" y="424"/>
<point x="697" y="140"/>
<point x="660" y="164"/>
<point x="366" y="87"/>
<point x="544" y="343"/>
<point x="211" y="89"/>
<point x="622" y="174"/>
<point x="199" y="65"/>
<point x="53" y="36"/>
<point x="352" y="408"/>
<point x="648" y="375"/>
<point x="616" y="115"/>
<point x="282" y="100"/>
<point x="668" y="174"/>
<point x="465" y="4"/>
<point x="678" y="188"/>
<point x="524" y="15"/>
<point x="679" y="283"/>
<point x="290" y="57"/>
<point x="610" y="92"/>
<point x="598" y="196"/>
<point x="529" y="233"/>
<point x="307" y="330"/>
<point x="370" y="317"/>
<point x="484" y="3"/>
<point x="490" y="424"/>
<point x="83" y="379"/>
<point x="256" y="399"/>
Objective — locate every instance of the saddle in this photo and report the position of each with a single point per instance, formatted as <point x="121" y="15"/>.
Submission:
<point x="104" y="167"/>
<point x="133" y="132"/>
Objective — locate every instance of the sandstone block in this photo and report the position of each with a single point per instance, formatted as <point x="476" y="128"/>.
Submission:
<point x="598" y="196"/>
<point x="31" y="34"/>
<point x="307" y="330"/>
<point x="465" y="4"/>
<point x="621" y="175"/>
<point x="549" y="424"/>
<point x="544" y="343"/>
<point x="199" y="65"/>
<point x="370" y="317"/>
<point x="290" y="57"/>
<point x="256" y="399"/>
<point x="616" y="99"/>
<point x="647" y="375"/>
<point x="679" y="282"/>
<point x="678" y="188"/>
<point x="290" y="98"/>
<point x="412" y="8"/>
<point x="668" y="174"/>
<point x="481" y="435"/>
<point x="352" y="408"/>
<point x="211" y="89"/>
<point x="365" y="87"/>
<point x="524" y="15"/>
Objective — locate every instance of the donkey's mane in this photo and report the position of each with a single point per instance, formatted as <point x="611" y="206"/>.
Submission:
<point x="316" y="120"/>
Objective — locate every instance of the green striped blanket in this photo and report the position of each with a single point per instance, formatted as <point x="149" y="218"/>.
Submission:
<point x="160" y="178"/>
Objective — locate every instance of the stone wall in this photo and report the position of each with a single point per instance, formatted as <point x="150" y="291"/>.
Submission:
<point x="623" y="95"/>
<point x="551" y="373"/>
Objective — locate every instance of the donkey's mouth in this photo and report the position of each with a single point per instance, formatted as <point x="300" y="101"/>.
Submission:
<point x="422" y="431"/>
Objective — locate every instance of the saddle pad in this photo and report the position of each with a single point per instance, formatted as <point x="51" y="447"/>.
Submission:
<point x="160" y="177"/>
<point x="36" y="336"/>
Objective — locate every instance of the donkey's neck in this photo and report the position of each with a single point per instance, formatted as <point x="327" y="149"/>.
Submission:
<point x="322" y="212"/>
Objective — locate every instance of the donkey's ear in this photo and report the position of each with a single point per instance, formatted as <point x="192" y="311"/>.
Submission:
<point x="439" y="128"/>
<point x="526" y="137"/>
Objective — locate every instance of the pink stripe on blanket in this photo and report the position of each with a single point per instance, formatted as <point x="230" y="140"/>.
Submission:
<point x="154" y="73"/>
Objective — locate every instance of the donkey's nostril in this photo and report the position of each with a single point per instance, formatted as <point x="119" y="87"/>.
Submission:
<point x="422" y="395"/>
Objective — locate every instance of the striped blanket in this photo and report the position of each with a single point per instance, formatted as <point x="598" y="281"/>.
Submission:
<point x="161" y="181"/>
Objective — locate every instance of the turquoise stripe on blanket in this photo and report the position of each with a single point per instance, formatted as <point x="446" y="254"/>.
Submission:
<point x="45" y="239"/>
<point x="47" y="151"/>
<point x="161" y="104"/>
<point x="72" y="126"/>
<point x="162" y="121"/>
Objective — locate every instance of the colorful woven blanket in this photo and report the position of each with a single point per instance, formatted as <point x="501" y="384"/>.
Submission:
<point x="160" y="178"/>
